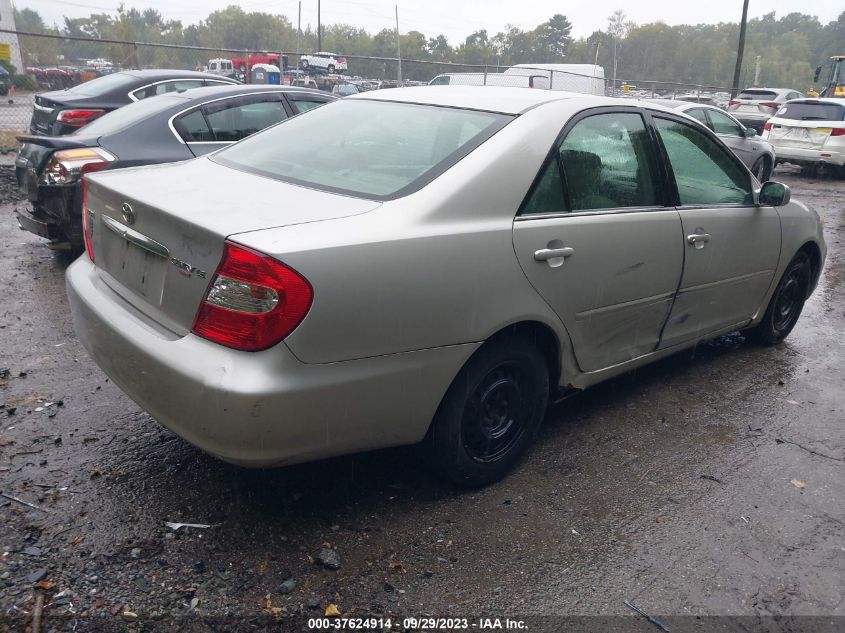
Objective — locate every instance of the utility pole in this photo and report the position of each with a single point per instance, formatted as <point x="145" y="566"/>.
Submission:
<point x="740" y="49"/>
<point x="319" y="29"/>
<point x="298" y="30"/>
<point x="757" y="70"/>
<point x="398" y="48"/>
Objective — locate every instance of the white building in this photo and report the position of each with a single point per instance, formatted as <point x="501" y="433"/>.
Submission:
<point x="7" y="21"/>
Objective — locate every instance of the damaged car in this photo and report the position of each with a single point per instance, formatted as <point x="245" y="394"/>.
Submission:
<point x="428" y="265"/>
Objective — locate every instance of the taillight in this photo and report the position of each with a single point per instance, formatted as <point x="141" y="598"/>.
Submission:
<point x="733" y="102"/>
<point x="87" y="222"/>
<point x="68" y="165"/>
<point x="78" y="118"/>
<point x="771" y="104"/>
<point x="838" y="131"/>
<point x="341" y="60"/>
<point x="767" y="125"/>
<point x="253" y="302"/>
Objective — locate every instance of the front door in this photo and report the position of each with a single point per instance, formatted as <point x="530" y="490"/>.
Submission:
<point x="596" y="240"/>
<point x="731" y="246"/>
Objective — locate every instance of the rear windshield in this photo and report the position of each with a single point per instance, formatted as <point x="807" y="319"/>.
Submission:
<point x="757" y="95"/>
<point x="371" y="149"/>
<point x="129" y="115"/>
<point x="102" y="85"/>
<point x="804" y="111"/>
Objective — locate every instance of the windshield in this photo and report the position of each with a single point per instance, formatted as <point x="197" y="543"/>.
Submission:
<point x="807" y="111"/>
<point x="372" y="149"/>
<point x="127" y="116"/>
<point x="102" y="85"/>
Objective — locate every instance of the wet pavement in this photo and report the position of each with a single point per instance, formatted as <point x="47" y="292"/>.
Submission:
<point x="710" y="483"/>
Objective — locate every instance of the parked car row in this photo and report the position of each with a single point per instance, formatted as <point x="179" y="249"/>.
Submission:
<point x="401" y="267"/>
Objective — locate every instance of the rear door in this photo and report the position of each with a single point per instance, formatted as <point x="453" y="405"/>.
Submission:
<point x="731" y="246"/>
<point x="597" y="241"/>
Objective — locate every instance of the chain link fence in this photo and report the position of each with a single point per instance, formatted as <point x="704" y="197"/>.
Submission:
<point x="43" y="62"/>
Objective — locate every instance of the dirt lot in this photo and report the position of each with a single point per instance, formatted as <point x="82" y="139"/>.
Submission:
<point x="709" y="484"/>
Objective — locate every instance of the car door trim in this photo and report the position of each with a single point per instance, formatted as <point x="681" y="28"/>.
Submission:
<point x="654" y="299"/>
<point x="731" y="280"/>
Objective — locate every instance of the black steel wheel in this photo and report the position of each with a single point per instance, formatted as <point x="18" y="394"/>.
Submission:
<point x="786" y="303"/>
<point x="490" y="413"/>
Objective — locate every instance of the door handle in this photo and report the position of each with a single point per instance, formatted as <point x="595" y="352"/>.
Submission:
<point x="545" y="254"/>
<point x="698" y="239"/>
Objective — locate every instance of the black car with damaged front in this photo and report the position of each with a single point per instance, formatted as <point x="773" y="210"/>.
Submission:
<point x="165" y="129"/>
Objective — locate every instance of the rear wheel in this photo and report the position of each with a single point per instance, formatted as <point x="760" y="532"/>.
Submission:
<point x="762" y="169"/>
<point x="330" y="69"/>
<point x="303" y="63"/>
<point x="786" y="303"/>
<point x="490" y="414"/>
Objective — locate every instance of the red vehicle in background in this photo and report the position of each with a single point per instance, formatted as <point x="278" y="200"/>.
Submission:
<point x="241" y="64"/>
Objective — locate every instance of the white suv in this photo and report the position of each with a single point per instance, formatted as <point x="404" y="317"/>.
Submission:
<point x="809" y="132"/>
<point x="328" y="62"/>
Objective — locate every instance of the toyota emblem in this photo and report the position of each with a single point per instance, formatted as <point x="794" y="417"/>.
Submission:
<point x="128" y="213"/>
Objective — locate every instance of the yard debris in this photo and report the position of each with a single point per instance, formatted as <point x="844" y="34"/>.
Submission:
<point x="266" y="604"/>
<point x="36" y="613"/>
<point x="287" y="586"/>
<point x="397" y="566"/>
<point x="4" y="441"/>
<point x="21" y="501"/>
<point x="328" y="558"/>
<point x="332" y="611"/>
<point x="654" y="621"/>
<point x="799" y="483"/>
<point x="177" y="526"/>
<point x="37" y="575"/>
<point x="711" y="478"/>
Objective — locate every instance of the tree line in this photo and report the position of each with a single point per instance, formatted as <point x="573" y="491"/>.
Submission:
<point x="789" y="47"/>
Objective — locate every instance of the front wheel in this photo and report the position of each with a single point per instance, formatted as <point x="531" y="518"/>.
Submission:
<point x="786" y="303"/>
<point x="762" y="169"/>
<point x="330" y="69"/>
<point x="490" y="413"/>
<point x="303" y="63"/>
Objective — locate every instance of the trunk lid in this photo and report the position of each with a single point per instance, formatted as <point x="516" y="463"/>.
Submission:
<point x="158" y="231"/>
<point x="801" y="134"/>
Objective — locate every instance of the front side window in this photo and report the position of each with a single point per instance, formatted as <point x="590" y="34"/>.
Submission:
<point x="234" y="119"/>
<point x="699" y="115"/>
<point x="367" y="148"/>
<point x="606" y="161"/>
<point x="704" y="172"/>
<point x="723" y="124"/>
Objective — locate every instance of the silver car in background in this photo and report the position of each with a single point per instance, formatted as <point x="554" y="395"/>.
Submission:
<point x="757" y="154"/>
<point x="427" y="265"/>
<point x="754" y="106"/>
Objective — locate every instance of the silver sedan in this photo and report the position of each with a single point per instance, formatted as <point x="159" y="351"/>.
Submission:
<point x="427" y="265"/>
<point x="757" y="154"/>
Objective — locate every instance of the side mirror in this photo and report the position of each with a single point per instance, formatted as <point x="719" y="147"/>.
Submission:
<point x="817" y="74"/>
<point x="750" y="132"/>
<point x="773" y="194"/>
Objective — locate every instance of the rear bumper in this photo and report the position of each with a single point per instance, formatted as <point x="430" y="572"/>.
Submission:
<point x="264" y="408"/>
<point x="801" y="156"/>
<point x="29" y="222"/>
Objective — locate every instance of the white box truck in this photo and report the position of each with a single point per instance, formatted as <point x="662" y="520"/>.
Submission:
<point x="584" y="78"/>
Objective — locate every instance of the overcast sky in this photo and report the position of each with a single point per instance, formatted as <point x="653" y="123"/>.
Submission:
<point x="455" y="18"/>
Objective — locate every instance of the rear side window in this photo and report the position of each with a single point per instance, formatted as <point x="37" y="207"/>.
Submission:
<point x="606" y="161"/>
<point x="808" y="111"/>
<point x="704" y="173"/>
<point x="103" y="85"/>
<point x="165" y="87"/>
<point x="234" y="119"/>
<point x="372" y="149"/>
<point x="193" y="128"/>
<point x="757" y="95"/>
<point x="303" y="104"/>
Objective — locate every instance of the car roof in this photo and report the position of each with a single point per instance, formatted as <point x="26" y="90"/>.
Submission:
<point x="166" y="73"/>
<point x="490" y="98"/>
<point x="830" y="100"/>
<point x="769" y="90"/>
<point x="210" y="92"/>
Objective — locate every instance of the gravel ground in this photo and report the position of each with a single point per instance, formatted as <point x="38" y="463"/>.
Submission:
<point x="708" y="484"/>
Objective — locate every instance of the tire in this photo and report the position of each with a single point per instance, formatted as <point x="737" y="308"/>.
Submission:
<point x="303" y="63"/>
<point x="490" y="414"/>
<point x="330" y="69"/>
<point x="762" y="169"/>
<point x="785" y="305"/>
